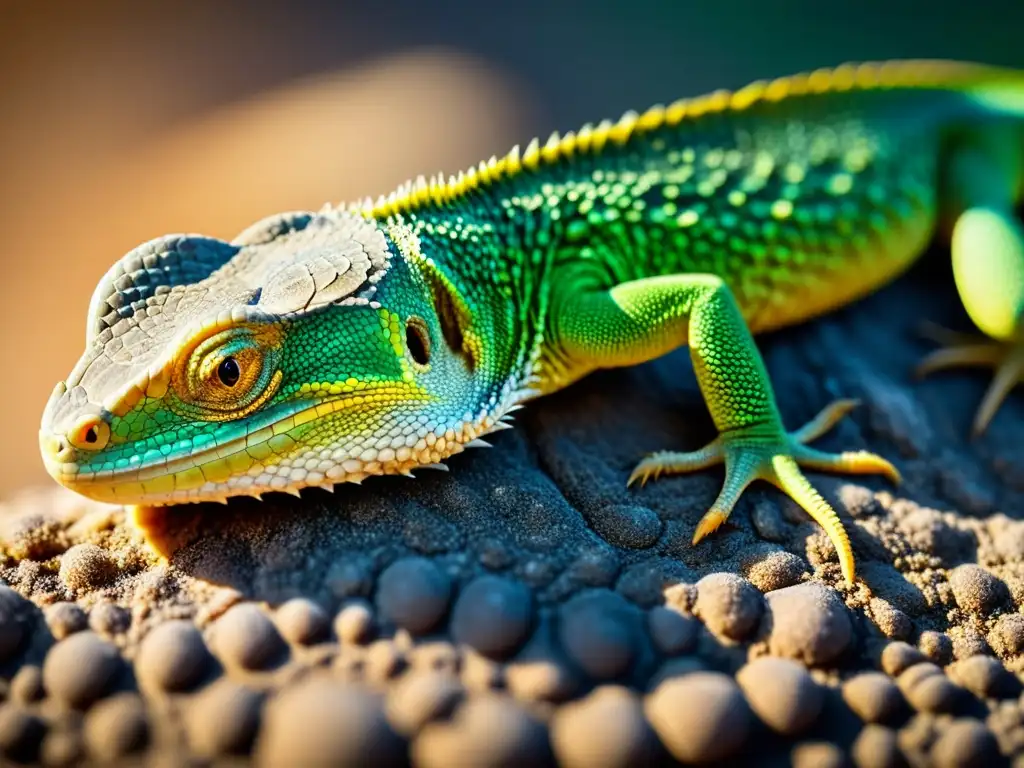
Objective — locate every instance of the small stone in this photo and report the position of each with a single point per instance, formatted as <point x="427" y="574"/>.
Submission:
<point x="383" y="661"/>
<point x="782" y="694"/>
<point x="354" y="623"/>
<point x="487" y="730"/>
<point x="700" y="717"/>
<point x="65" y="619"/>
<point x="173" y="657"/>
<point x="927" y="689"/>
<point x="877" y="747"/>
<point x="246" y="637"/>
<point x="937" y="647"/>
<point x="899" y="656"/>
<point x="109" y="619"/>
<point x="302" y="621"/>
<point x="985" y="677"/>
<point x="422" y="698"/>
<point x="892" y="622"/>
<point x="874" y="698"/>
<point x="62" y="747"/>
<point x="602" y="632"/>
<point x="12" y="631"/>
<point x="413" y="594"/>
<point x="671" y="632"/>
<point x="776" y="571"/>
<point x="479" y="673"/>
<point x="493" y="615"/>
<point x="27" y="684"/>
<point x="970" y="643"/>
<point x="317" y="722"/>
<point x="20" y="733"/>
<point x="607" y="728"/>
<point x="629" y="526"/>
<point x="809" y="623"/>
<point x="1008" y="636"/>
<point x="116" y="727"/>
<point x="817" y="754"/>
<point x="728" y="605"/>
<point x="223" y="719"/>
<point x="965" y="743"/>
<point x="81" y="668"/>
<point x="976" y="590"/>
<point x="85" y="567"/>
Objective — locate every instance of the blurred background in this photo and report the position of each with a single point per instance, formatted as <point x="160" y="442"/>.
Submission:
<point x="122" y="121"/>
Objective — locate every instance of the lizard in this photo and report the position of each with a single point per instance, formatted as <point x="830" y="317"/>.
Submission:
<point x="377" y="337"/>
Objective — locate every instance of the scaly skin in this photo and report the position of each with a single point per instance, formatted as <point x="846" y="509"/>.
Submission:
<point x="322" y="348"/>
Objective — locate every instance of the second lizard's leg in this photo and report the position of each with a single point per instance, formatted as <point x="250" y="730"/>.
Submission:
<point x="988" y="265"/>
<point x="639" y="320"/>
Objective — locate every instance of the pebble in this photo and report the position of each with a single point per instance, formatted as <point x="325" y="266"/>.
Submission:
<point x="116" y="727"/>
<point x="20" y="733"/>
<point x="874" y="697"/>
<point x="173" y="657"/>
<point x="927" y="689"/>
<point x="81" y="668"/>
<point x="65" y="619"/>
<point x="782" y="694"/>
<point x="383" y="661"/>
<point x="486" y="731"/>
<point x="809" y="623"/>
<point x="607" y="728"/>
<point x="898" y="656"/>
<point x="629" y="526"/>
<point x="776" y="571"/>
<point x="421" y="698"/>
<point x="964" y="743"/>
<point x="109" y="619"/>
<point x="318" y="722"/>
<point x="891" y="621"/>
<point x="246" y="637"/>
<point x="354" y="623"/>
<point x="493" y="615"/>
<point x="985" y="677"/>
<point x="12" y="632"/>
<point x="976" y="590"/>
<point x="671" y="632"/>
<point x="27" y="684"/>
<point x="413" y="594"/>
<point x="937" y="647"/>
<point x="728" y="605"/>
<point x="62" y="747"/>
<point x="223" y="719"/>
<point x="817" y="754"/>
<point x="85" y="567"/>
<point x="877" y="747"/>
<point x="601" y="632"/>
<point x="1008" y="635"/>
<point x="302" y="621"/>
<point x="700" y="717"/>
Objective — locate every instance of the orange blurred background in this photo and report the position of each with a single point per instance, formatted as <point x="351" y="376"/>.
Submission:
<point x="124" y="121"/>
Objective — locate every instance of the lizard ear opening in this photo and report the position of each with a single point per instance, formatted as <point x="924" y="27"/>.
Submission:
<point x="452" y="316"/>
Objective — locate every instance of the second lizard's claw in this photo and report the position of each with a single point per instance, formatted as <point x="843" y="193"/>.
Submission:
<point x="963" y="351"/>
<point x="760" y="454"/>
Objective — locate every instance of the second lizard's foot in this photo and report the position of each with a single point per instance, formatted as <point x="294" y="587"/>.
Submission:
<point x="960" y="350"/>
<point x="760" y="453"/>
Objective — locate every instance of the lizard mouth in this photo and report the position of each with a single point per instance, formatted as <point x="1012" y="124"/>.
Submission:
<point x="262" y="455"/>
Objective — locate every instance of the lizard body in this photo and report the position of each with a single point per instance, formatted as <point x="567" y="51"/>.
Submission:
<point x="318" y="348"/>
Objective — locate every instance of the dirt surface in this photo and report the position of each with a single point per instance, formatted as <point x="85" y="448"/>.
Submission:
<point x="526" y="608"/>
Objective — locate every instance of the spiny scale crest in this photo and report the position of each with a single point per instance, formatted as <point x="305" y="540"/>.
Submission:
<point x="589" y="139"/>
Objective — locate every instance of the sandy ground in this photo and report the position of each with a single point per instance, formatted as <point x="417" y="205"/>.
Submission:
<point x="526" y="608"/>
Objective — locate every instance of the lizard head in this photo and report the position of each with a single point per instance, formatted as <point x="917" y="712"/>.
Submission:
<point x="312" y="349"/>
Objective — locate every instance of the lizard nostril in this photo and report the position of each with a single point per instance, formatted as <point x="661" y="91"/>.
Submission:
<point x="90" y="434"/>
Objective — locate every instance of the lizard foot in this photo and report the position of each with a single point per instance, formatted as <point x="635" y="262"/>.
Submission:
<point x="758" y="454"/>
<point x="961" y="350"/>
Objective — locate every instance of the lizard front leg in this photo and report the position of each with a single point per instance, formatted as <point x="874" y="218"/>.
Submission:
<point x="988" y="265"/>
<point x="642" y="319"/>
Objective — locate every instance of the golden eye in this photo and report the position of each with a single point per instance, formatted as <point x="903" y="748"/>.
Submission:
<point x="228" y="375"/>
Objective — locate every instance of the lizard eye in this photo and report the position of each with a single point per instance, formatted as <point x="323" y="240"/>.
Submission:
<point x="230" y="373"/>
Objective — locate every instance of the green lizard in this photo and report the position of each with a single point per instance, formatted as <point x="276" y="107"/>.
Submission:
<point x="318" y="348"/>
